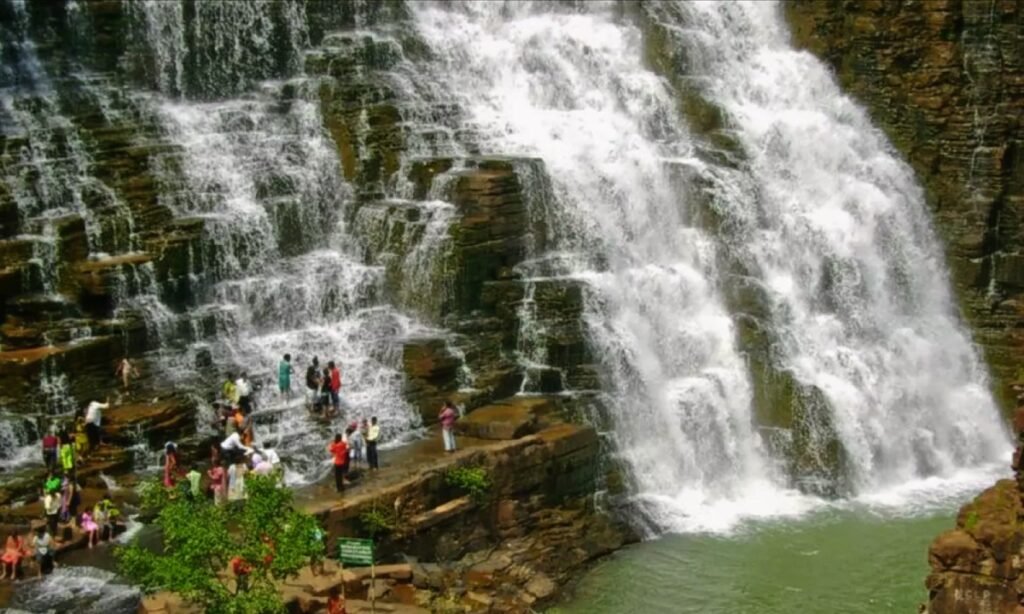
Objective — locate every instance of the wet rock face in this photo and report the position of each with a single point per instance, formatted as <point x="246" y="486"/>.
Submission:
<point x="942" y="79"/>
<point x="978" y="566"/>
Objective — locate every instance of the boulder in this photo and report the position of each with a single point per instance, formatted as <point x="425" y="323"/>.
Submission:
<point x="510" y="419"/>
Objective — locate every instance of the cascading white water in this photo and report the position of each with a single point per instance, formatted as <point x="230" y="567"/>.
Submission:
<point x="901" y="381"/>
<point x="571" y="89"/>
<point x="839" y="235"/>
<point x="267" y="188"/>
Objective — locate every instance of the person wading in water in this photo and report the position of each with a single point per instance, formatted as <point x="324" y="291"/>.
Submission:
<point x="284" y="377"/>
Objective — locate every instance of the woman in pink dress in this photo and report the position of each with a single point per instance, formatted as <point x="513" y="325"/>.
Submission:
<point x="92" y="530"/>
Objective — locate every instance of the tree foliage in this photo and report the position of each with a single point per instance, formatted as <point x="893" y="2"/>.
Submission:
<point x="201" y="539"/>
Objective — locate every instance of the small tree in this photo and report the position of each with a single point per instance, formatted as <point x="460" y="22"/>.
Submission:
<point x="200" y="540"/>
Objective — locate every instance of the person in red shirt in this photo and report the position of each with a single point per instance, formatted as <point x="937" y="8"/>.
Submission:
<point x="335" y="602"/>
<point x="334" y="385"/>
<point x="339" y="450"/>
<point x="50" y="443"/>
<point x="241" y="569"/>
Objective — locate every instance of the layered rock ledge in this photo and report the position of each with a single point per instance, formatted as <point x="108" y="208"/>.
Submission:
<point x="510" y="550"/>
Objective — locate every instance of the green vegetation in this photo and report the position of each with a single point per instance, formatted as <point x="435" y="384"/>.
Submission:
<point x="377" y="521"/>
<point x="474" y="481"/>
<point x="200" y="540"/>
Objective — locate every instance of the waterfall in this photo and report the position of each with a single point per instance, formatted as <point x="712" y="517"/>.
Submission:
<point x="757" y="273"/>
<point x="838" y="235"/>
<point x="570" y="88"/>
<point x="824" y="221"/>
<point x="18" y="442"/>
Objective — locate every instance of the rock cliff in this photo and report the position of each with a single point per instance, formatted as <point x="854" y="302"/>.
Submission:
<point x="945" y="80"/>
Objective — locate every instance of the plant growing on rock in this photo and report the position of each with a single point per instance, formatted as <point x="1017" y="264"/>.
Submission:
<point x="474" y="481"/>
<point x="377" y="521"/>
<point x="200" y="540"/>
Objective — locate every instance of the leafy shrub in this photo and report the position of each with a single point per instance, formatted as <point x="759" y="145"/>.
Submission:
<point x="377" y="521"/>
<point x="473" y="481"/>
<point x="201" y="539"/>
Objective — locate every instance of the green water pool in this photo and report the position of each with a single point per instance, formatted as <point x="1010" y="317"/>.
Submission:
<point x="835" y="561"/>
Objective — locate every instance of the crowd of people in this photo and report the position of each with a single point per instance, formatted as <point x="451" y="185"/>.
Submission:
<point x="233" y="455"/>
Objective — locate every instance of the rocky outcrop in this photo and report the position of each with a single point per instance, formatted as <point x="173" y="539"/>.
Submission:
<point x="506" y="551"/>
<point x="978" y="567"/>
<point x="943" y="79"/>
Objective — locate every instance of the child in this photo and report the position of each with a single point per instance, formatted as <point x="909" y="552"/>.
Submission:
<point x="103" y="513"/>
<point x="217" y="475"/>
<point x="42" y="545"/>
<point x="91" y="529"/>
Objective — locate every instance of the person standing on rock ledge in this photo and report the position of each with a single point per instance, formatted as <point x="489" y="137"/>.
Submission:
<point x="372" y="437"/>
<point x="284" y="377"/>
<point x="447" y="417"/>
<point x="125" y="370"/>
<point x="339" y="450"/>
<point x="93" y="419"/>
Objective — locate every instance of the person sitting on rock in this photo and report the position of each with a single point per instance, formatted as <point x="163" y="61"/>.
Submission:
<point x="90" y="528"/>
<point x="108" y="522"/>
<point x="14" y="551"/>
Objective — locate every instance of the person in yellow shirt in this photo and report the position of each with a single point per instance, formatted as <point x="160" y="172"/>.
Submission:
<point x="81" y="438"/>
<point x="230" y="392"/>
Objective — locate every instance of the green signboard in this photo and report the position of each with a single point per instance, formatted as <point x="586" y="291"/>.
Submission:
<point x="355" y="551"/>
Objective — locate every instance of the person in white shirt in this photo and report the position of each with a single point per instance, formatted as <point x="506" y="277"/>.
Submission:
<point x="234" y="447"/>
<point x="244" y="391"/>
<point x="271" y="456"/>
<point x="372" y="437"/>
<point x="93" y="419"/>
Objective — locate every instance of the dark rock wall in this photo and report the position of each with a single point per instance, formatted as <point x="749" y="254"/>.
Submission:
<point x="945" y="80"/>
